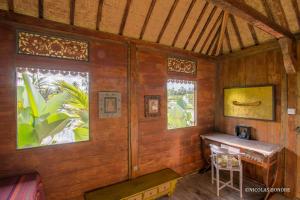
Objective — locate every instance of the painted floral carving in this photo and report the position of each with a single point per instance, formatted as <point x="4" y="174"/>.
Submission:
<point x="44" y="45"/>
<point x="182" y="66"/>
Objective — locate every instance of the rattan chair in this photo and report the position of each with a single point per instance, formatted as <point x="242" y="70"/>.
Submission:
<point x="228" y="159"/>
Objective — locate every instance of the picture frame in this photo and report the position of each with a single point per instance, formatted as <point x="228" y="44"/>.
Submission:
<point x="250" y="102"/>
<point x="152" y="105"/>
<point x="109" y="104"/>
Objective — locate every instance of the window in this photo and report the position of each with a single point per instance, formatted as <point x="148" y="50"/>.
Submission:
<point x="181" y="103"/>
<point x="52" y="107"/>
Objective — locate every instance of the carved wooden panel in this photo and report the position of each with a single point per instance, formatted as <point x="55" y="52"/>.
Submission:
<point x="180" y="65"/>
<point x="51" y="46"/>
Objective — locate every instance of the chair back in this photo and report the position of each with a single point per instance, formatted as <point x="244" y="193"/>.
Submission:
<point x="225" y="157"/>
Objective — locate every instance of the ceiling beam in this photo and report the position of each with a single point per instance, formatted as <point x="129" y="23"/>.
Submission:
<point x="253" y="34"/>
<point x="99" y="14"/>
<point x="217" y="33"/>
<point x="222" y="33"/>
<point x="183" y="21"/>
<point x="167" y="21"/>
<point x="211" y="31"/>
<point x="254" y="17"/>
<point x="41" y="8"/>
<point x="228" y="40"/>
<point x="203" y="29"/>
<point x="196" y="25"/>
<point x="10" y="4"/>
<point x="237" y="31"/>
<point x="147" y="18"/>
<point x="124" y="18"/>
<point x="72" y="11"/>
<point x="268" y="10"/>
<point x="289" y="61"/>
<point x="296" y="10"/>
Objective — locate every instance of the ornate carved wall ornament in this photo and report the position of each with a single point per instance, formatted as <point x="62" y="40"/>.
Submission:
<point x="51" y="46"/>
<point x="179" y="65"/>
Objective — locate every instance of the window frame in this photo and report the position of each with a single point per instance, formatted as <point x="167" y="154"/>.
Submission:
<point x="195" y="101"/>
<point x="59" y="68"/>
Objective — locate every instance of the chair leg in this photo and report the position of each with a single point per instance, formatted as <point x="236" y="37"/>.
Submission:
<point x="212" y="173"/>
<point x="218" y="181"/>
<point x="241" y="182"/>
<point x="231" y="177"/>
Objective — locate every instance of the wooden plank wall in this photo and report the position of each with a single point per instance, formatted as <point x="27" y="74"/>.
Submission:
<point x="179" y="148"/>
<point x="69" y="170"/>
<point x="258" y="69"/>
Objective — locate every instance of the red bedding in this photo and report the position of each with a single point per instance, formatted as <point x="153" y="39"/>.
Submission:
<point x="25" y="187"/>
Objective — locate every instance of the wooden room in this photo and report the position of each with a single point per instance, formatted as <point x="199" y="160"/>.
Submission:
<point x="149" y="99"/>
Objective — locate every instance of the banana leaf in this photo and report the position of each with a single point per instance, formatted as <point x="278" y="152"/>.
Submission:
<point x="36" y="101"/>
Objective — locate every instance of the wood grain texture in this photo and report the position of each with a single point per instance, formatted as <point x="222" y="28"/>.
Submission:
<point x="253" y="17"/>
<point x="71" y="169"/>
<point x="179" y="148"/>
<point x="257" y="69"/>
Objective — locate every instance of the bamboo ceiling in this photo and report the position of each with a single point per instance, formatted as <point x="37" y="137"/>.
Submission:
<point x="194" y="25"/>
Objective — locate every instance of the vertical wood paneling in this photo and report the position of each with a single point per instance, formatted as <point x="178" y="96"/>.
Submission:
<point x="260" y="69"/>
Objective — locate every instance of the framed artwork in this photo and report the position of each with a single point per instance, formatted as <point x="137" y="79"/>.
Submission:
<point x="109" y="104"/>
<point x="256" y="102"/>
<point x="152" y="105"/>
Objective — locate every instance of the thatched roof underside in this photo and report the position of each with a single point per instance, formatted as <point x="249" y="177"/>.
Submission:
<point x="187" y="24"/>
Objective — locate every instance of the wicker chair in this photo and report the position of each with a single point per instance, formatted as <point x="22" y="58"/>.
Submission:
<point x="228" y="159"/>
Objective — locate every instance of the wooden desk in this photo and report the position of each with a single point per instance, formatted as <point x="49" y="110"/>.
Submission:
<point x="256" y="152"/>
<point x="150" y="186"/>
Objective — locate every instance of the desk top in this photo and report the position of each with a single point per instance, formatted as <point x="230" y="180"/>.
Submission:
<point x="267" y="149"/>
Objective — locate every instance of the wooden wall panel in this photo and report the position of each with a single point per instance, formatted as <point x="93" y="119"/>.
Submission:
<point x="179" y="148"/>
<point x="258" y="69"/>
<point x="68" y="170"/>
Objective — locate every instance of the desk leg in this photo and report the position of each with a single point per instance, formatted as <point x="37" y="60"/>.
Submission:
<point x="275" y="176"/>
<point x="207" y="165"/>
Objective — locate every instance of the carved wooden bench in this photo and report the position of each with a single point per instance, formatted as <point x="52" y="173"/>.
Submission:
<point x="150" y="186"/>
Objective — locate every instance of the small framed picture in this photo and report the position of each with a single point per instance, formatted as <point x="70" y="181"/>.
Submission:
<point x="109" y="104"/>
<point x="152" y="105"/>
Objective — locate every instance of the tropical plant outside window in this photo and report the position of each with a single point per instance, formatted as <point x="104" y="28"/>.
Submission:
<point x="181" y="103"/>
<point x="52" y="107"/>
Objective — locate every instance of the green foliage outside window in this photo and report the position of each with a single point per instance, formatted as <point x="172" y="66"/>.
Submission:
<point x="52" y="107"/>
<point x="181" y="104"/>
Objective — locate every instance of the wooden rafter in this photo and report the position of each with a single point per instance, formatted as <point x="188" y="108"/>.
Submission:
<point x="268" y="10"/>
<point x="217" y="33"/>
<point x="183" y="21"/>
<point x="124" y="18"/>
<point x="41" y="8"/>
<point x="296" y="10"/>
<point x="214" y="51"/>
<point x="222" y="33"/>
<point x="72" y="11"/>
<point x="253" y="34"/>
<point x="253" y="17"/>
<point x="280" y="13"/>
<point x="228" y="40"/>
<point x="236" y="30"/>
<point x="204" y="27"/>
<point x="167" y="21"/>
<point x="196" y="25"/>
<point x="289" y="61"/>
<point x="99" y="14"/>
<point x="10" y="5"/>
<point x="211" y="31"/>
<point x="147" y="18"/>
